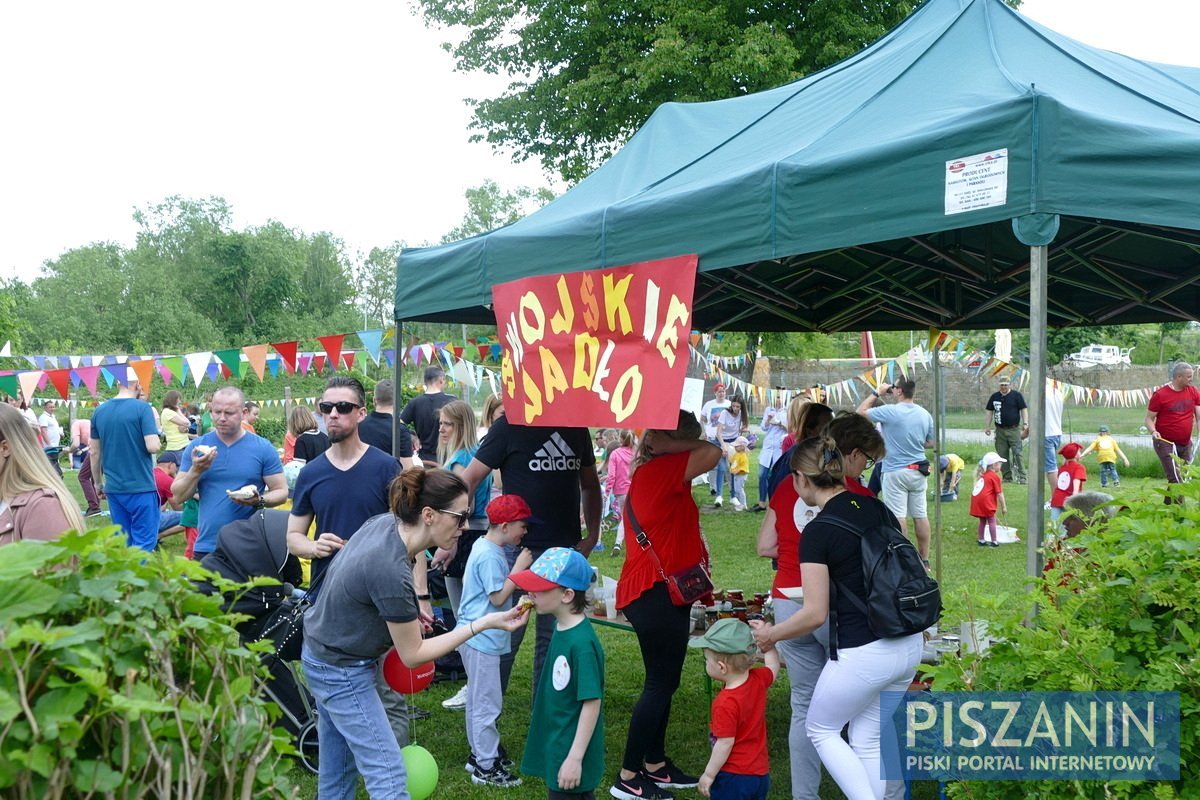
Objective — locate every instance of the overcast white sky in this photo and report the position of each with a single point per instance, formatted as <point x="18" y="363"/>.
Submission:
<point x="342" y="117"/>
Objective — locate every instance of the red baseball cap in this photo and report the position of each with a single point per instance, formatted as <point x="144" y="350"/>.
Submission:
<point x="510" y="508"/>
<point x="1070" y="450"/>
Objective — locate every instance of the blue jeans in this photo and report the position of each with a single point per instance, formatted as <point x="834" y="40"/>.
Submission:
<point x="168" y="518"/>
<point x="1050" y="445"/>
<point x="729" y="786"/>
<point x="1108" y="472"/>
<point x="354" y="732"/>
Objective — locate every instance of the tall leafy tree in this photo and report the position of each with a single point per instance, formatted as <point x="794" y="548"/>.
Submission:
<point x="490" y="207"/>
<point x="586" y="75"/>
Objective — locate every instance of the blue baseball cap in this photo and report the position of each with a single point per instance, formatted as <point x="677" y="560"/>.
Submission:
<point x="558" y="567"/>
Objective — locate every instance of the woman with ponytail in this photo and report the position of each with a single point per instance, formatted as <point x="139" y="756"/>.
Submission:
<point x="864" y="665"/>
<point x="368" y="603"/>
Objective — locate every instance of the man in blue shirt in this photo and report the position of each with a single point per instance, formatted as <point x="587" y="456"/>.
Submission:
<point x="343" y="488"/>
<point x="907" y="430"/>
<point x="124" y="439"/>
<point x="224" y="460"/>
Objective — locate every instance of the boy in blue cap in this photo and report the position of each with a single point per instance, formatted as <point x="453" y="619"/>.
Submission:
<point x="567" y="712"/>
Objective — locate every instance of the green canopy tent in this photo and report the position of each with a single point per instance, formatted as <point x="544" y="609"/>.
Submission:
<point x="848" y="200"/>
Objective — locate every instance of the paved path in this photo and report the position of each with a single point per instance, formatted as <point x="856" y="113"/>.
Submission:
<point x="976" y="436"/>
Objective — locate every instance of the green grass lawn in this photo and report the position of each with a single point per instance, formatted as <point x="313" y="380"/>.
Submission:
<point x="974" y="581"/>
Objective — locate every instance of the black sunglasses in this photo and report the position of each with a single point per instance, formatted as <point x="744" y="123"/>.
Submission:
<point x="344" y="407"/>
<point x="463" y="516"/>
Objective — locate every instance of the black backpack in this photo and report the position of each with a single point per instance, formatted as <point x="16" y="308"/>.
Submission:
<point x="902" y="599"/>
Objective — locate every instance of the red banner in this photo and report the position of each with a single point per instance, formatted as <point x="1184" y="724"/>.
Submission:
<point x="603" y="347"/>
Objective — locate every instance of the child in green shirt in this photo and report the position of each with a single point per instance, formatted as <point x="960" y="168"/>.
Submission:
<point x="568" y="751"/>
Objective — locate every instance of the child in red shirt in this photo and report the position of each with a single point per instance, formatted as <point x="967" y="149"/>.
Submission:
<point x="986" y="496"/>
<point x="738" y="767"/>
<point x="1071" y="477"/>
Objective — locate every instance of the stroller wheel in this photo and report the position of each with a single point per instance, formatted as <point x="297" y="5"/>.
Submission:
<point x="306" y="743"/>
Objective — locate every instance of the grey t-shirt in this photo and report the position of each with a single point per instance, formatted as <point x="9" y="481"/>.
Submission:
<point x="367" y="586"/>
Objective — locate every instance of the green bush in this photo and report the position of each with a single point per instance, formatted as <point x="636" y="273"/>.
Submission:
<point x="1122" y="616"/>
<point x="117" y="679"/>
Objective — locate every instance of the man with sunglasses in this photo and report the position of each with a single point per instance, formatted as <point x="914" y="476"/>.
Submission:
<point x="229" y="459"/>
<point x="343" y="488"/>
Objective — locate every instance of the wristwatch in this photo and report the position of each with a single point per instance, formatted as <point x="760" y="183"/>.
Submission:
<point x="424" y="597"/>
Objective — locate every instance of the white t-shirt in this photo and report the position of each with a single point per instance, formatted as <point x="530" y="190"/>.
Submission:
<point x="53" y="429"/>
<point x="1054" y="409"/>
<point x="709" y="414"/>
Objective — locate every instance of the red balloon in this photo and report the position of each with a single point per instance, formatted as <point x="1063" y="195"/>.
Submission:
<point x="404" y="679"/>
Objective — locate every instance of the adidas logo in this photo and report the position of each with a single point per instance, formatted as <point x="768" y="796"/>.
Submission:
<point x="555" y="456"/>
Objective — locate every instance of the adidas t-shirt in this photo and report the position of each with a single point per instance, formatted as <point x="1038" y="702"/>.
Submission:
<point x="541" y="465"/>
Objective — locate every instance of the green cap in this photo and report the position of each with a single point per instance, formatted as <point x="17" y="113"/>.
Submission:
<point x="727" y="636"/>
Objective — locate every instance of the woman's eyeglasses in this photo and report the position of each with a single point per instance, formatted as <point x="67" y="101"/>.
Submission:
<point x="463" y="516"/>
<point x="344" y="407"/>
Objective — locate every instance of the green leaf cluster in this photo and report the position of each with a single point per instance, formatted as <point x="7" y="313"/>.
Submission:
<point x="1121" y="614"/>
<point x="118" y="679"/>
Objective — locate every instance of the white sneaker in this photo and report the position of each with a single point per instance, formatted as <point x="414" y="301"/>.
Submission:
<point x="737" y="504"/>
<point x="458" y="702"/>
<point x="719" y="501"/>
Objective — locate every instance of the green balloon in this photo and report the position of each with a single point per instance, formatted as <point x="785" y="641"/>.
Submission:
<point x="422" y="771"/>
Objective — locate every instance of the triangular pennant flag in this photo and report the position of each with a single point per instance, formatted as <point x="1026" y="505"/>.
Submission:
<point x="304" y="362"/>
<point x="174" y="366"/>
<point x="41" y="384"/>
<point x="371" y="341"/>
<point x="119" y="372"/>
<point x="144" y="370"/>
<point x="390" y="355"/>
<point x="29" y="381"/>
<point x="274" y="364"/>
<point x="6" y="351"/>
<point x="74" y="361"/>
<point x="256" y="354"/>
<point x="348" y="360"/>
<point x="287" y="351"/>
<point x="163" y="372"/>
<point x="197" y="365"/>
<point x="9" y="385"/>
<point x="61" y="379"/>
<point x="232" y="359"/>
<point x="319" y="364"/>
<point x="75" y="379"/>
<point x="212" y="371"/>
<point x="333" y="348"/>
<point x="89" y="375"/>
<point x="427" y="351"/>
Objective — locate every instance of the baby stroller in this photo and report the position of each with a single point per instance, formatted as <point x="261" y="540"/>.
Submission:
<point x="257" y="547"/>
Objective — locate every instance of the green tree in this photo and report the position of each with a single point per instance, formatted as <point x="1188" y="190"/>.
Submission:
<point x="489" y="207"/>
<point x="587" y="75"/>
<point x="375" y="282"/>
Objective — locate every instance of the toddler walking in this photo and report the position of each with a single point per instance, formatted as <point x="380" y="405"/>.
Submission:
<point x="739" y="469"/>
<point x="986" y="496"/>
<point x="1107" y="450"/>
<point x="738" y="768"/>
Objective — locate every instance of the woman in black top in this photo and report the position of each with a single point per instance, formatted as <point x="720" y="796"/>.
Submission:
<point x="849" y="687"/>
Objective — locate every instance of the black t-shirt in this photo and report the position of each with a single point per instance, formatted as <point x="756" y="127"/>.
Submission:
<point x="1006" y="408"/>
<point x="309" y="445"/>
<point x="841" y="551"/>
<point x="376" y="430"/>
<point x="422" y="413"/>
<point x="542" y="465"/>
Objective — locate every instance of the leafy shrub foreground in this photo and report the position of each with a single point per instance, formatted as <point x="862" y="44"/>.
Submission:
<point x="119" y="680"/>
<point x="1123" y="615"/>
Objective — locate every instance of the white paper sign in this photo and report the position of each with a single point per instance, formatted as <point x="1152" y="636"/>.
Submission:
<point x="978" y="181"/>
<point x="693" y="395"/>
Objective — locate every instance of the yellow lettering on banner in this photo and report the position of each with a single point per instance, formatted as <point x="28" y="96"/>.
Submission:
<point x="591" y="310"/>
<point x="602" y="371"/>
<point x="563" y="319"/>
<point x="631" y="383"/>
<point x="514" y="341"/>
<point x="507" y="377"/>
<point x="677" y="314"/>
<point x="587" y="350"/>
<point x="553" y="377"/>
<point x="533" y="398"/>
<point x="531" y="330"/>
<point x="614" y="303"/>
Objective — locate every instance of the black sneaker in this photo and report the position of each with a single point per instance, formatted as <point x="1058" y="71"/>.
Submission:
<point x="418" y="713"/>
<point x="981" y="543"/>
<point x="639" y="787"/>
<point x="496" y="776"/>
<point x="670" y="776"/>
<point x="472" y="765"/>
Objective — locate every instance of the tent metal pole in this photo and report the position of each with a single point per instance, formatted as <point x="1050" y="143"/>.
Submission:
<point x="1036" y="399"/>
<point x="938" y="444"/>
<point x="397" y="382"/>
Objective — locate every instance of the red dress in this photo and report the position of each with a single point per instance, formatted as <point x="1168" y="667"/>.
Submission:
<point x="983" y="496"/>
